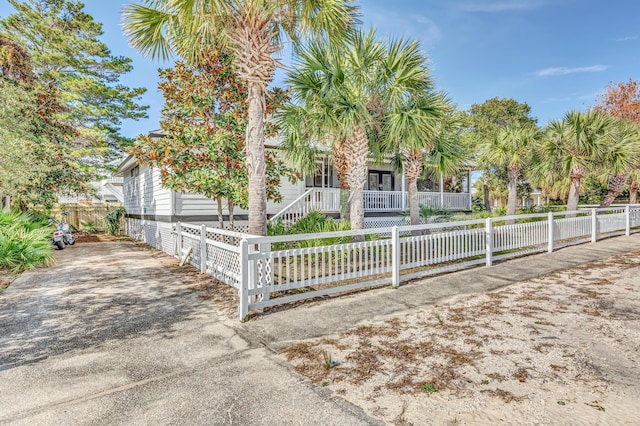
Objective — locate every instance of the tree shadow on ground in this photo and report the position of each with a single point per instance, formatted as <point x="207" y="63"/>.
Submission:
<point x="96" y="293"/>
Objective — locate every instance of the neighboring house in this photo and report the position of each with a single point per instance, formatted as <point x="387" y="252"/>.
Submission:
<point x="108" y="190"/>
<point x="153" y="209"/>
<point x="534" y="199"/>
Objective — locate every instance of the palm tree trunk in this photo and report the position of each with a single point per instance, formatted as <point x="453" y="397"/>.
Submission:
<point x="342" y="168"/>
<point x="512" y="199"/>
<point x="412" y="171"/>
<point x="574" y="195"/>
<point x="485" y="189"/>
<point x="633" y="191"/>
<point x="256" y="164"/>
<point x="615" y="187"/>
<point x="356" y="151"/>
<point x="577" y="173"/>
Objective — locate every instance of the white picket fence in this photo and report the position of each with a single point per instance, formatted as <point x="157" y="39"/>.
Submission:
<point x="269" y="271"/>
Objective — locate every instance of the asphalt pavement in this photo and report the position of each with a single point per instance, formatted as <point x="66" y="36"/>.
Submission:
<point x="110" y="335"/>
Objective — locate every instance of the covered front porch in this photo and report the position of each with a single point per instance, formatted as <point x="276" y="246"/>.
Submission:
<point x="327" y="200"/>
<point x="385" y="192"/>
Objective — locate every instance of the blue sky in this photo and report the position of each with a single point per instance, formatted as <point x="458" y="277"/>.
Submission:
<point x="556" y="55"/>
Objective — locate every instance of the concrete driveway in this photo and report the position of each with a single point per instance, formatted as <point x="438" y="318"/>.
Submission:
<point x="110" y="335"/>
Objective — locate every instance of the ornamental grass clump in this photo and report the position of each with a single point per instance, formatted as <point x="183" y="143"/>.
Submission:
<point x="313" y="223"/>
<point x="25" y="242"/>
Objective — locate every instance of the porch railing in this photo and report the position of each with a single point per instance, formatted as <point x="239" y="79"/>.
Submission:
<point x="381" y="201"/>
<point x="323" y="200"/>
<point x="327" y="200"/>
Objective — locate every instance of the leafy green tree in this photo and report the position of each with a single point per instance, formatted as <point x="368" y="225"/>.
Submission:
<point x="204" y="118"/>
<point x="485" y="121"/>
<point x="254" y="31"/>
<point x="75" y="105"/>
<point x="34" y="168"/>
<point x="16" y="158"/>
<point x="66" y="52"/>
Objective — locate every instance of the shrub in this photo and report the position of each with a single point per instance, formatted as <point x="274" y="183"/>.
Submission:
<point x="112" y="221"/>
<point x="25" y="242"/>
<point x="89" y="227"/>
<point x="312" y="223"/>
<point x="434" y="214"/>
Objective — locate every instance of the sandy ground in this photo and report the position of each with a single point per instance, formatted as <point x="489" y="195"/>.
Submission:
<point x="560" y="349"/>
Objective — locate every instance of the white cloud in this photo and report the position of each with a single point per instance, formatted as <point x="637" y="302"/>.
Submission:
<point x="418" y="26"/>
<point x="565" y="70"/>
<point x="589" y="97"/>
<point x="627" y="38"/>
<point x="571" y="98"/>
<point x="501" y="6"/>
<point x="428" y="30"/>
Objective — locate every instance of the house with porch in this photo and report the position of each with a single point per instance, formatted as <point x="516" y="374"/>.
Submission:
<point x="385" y="193"/>
<point x="153" y="209"/>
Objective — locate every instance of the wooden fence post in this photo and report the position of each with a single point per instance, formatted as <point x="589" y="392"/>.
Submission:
<point x="594" y="225"/>
<point x="395" y="257"/>
<point x="551" y="224"/>
<point x="203" y="249"/>
<point x="627" y="220"/>
<point x="243" y="291"/>
<point x="489" y="240"/>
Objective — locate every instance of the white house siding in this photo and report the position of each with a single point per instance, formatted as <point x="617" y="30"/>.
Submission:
<point x="144" y="194"/>
<point x="189" y="205"/>
<point x="156" y="234"/>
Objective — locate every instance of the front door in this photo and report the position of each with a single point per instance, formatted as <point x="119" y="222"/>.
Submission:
<point x="380" y="181"/>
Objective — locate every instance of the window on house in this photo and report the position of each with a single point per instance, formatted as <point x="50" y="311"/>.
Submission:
<point x="321" y="179"/>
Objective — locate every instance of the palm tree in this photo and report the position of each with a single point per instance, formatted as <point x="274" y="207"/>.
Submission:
<point x="423" y="134"/>
<point x="571" y="147"/>
<point x="352" y="91"/>
<point x="254" y="31"/>
<point x="620" y="157"/>
<point x="512" y="149"/>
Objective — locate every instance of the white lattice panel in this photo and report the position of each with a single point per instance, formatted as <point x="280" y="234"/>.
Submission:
<point x="192" y="241"/>
<point x="385" y="222"/>
<point x="224" y="265"/>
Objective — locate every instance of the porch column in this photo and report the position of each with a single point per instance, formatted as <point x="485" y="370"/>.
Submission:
<point x="441" y="190"/>
<point x="404" y="191"/>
